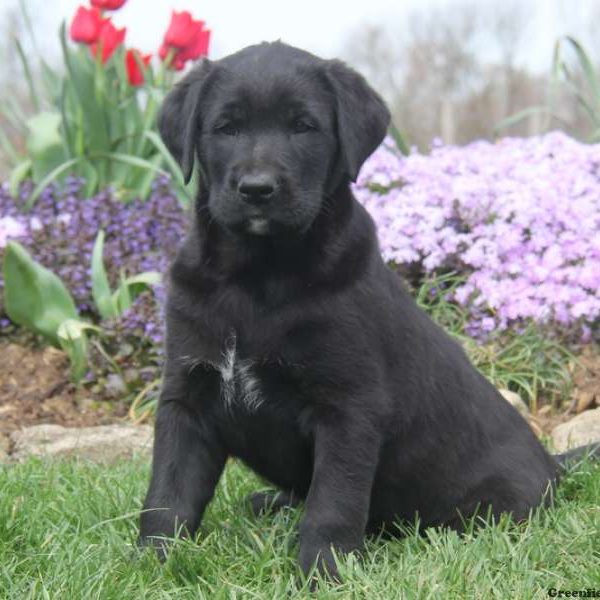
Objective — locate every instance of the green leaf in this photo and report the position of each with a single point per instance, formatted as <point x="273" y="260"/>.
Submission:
<point x="122" y="297"/>
<point x="131" y="287"/>
<point x="34" y="297"/>
<point x="94" y="127"/>
<point x="39" y="188"/>
<point x="591" y="76"/>
<point x="90" y="176"/>
<point x="17" y="175"/>
<point x="137" y="283"/>
<point x="400" y="140"/>
<point x="518" y="117"/>
<point x="44" y="131"/>
<point x="132" y="161"/>
<point x="53" y="82"/>
<point x="142" y="184"/>
<point x="73" y="340"/>
<point x="100" y="285"/>
<point x="167" y="156"/>
<point x="44" y="143"/>
<point x="182" y="191"/>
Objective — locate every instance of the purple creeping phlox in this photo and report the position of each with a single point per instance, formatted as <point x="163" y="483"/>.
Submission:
<point x="520" y="219"/>
<point x="60" y="230"/>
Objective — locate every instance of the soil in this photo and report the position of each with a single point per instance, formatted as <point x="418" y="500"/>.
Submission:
<point x="35" y="388"/>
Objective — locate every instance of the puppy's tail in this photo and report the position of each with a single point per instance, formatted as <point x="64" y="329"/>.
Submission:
<point x="573" y="458"/>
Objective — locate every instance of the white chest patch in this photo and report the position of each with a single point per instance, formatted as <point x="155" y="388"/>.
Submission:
<point x="238" y="383"/>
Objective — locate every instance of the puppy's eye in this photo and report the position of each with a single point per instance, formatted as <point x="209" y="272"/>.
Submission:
<point x="302" y="126"/>
<point x="227" y="129"/>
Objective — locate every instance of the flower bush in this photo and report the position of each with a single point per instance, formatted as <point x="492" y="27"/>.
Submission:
<point x="97" y="120"/>
<point x="60" y="232"/>
<point x="518" y="219"/>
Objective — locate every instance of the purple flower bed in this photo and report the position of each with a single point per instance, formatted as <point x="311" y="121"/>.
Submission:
<point x="520" y="219"/>
<point x="60" y="231"/>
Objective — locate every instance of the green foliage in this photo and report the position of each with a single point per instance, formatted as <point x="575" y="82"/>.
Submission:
<point x="528" y="362"/>
<point x="37" y="299"/>
<point x="110" y="304"/>
<point x="100" y="286"/>
<point x="34" y="297"/>
<point x="583" y="83"/>
<point x="73" y="340"/>
<point x="586" y="87"/>
<point x="90" y="122"/>
<point x="400" y="139"/>
<point x="130" y="287"/>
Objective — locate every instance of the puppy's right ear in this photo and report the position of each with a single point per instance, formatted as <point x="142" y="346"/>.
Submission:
<point x="361" y="114"/>
<point x="179" y="117"/>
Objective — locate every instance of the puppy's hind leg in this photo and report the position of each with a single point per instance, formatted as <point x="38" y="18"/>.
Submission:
<point x="270" y="502"/>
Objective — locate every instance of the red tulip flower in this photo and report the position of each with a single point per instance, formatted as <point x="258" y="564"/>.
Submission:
<point x="198" y="47"/>
<point x="108" y="40"/>
<point x="134" y="60"/>
<point x="108" y="4"/>
<point x="184" y="40"/>
<point x="86" y="25"/>
<point x="182" y="29"/>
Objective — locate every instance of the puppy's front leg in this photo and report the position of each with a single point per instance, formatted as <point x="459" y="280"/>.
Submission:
<point x="337" y="505"/>
<point x="188" y="460"/>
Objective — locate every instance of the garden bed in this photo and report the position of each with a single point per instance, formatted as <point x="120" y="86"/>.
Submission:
<point x="35" y="388"/>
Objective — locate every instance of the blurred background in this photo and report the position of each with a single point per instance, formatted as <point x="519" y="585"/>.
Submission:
<point x="452" y="69"/>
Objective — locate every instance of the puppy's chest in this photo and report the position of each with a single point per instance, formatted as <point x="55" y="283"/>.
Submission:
<point x="246" y="379"/>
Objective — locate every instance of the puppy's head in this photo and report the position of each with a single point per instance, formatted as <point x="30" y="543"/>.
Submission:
<point x="275" y="129"/>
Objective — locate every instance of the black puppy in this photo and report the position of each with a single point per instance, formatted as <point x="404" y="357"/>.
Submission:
<point x="292" y="346"/>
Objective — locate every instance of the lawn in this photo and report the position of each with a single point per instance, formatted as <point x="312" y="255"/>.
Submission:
<point x="67" y="530"/>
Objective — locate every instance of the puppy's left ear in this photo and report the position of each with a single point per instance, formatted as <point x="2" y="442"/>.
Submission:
<point x="179" y="117"/>
<point x="362" y="116"/>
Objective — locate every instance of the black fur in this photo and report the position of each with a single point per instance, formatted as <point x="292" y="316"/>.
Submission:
<point x="344" y="393"/>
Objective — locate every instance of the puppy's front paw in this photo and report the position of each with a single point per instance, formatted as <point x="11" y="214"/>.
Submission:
<point x="323" y="561"/>
<point x="158" y="543"/>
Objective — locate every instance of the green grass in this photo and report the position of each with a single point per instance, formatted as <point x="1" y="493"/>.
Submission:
<point x="67" y="530"/>
<point x="531" y="362"/>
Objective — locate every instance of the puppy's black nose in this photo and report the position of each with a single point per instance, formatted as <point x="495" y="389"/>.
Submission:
<point x="256" y="188"/>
